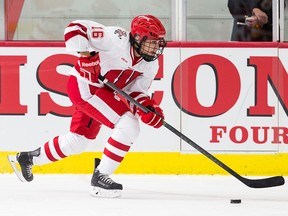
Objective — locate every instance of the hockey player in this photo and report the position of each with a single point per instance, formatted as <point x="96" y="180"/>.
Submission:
<point x="127" y="59"/>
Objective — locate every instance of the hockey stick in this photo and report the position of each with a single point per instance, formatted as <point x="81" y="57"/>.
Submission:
<point x="253" y="183"/>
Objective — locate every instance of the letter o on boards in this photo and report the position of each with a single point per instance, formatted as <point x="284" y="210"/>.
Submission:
<point x="184" y="80"/>
<point x="242" y="133"/>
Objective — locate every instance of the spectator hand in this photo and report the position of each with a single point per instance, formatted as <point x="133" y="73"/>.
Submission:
<point x="89" y="67"/>
<point x="261" y="16"/>
<point x="251" y="21"/>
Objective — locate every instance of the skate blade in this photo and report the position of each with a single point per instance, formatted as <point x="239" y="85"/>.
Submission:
<point x="100" y="192"/>
<point x="13" y="162"/>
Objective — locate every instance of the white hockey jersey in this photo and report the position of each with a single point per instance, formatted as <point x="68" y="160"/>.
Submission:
<point x="117" y="60"/>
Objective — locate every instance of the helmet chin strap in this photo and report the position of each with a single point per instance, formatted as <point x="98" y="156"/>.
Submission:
<point x="148" y="58"/>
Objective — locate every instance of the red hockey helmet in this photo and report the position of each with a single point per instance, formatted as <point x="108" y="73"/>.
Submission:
<point x="149" y="26"/>
<point x="144" y="27"/>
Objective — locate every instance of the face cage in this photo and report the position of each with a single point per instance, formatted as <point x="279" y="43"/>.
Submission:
<point x="145" y="56"/>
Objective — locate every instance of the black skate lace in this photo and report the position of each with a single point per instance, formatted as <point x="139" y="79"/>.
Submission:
<point x="105" y="178"/>
<point x="28" y="170"/>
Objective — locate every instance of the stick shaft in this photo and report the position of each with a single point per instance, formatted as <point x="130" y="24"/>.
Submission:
<point x="254" y="183"/>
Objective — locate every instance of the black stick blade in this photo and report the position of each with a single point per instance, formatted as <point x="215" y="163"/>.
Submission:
<point x="264" y="183"/>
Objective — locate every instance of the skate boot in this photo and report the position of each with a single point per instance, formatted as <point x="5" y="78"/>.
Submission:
<point x="103" y="185"/>
<point x="25" y="160"/>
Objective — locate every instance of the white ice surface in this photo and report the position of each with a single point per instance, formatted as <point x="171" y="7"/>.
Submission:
<point x="143" y="195"/>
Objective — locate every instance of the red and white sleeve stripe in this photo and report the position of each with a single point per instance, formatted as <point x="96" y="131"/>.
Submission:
<point x="76" y="37"/>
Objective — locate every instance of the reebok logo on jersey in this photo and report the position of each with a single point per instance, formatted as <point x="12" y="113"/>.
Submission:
<point x="123" y="59"/>
<point x="91" y="64"/>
